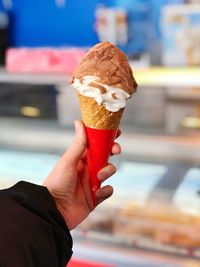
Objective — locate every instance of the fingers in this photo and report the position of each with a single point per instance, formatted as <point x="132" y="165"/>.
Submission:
<point x="106" y="172"/>
<point x="104" y="193"/>
<point x="77" y="147"/>
<point x="116" y="149"/>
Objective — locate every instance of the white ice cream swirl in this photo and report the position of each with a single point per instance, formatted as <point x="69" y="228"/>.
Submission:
<point x="113" y="98"/>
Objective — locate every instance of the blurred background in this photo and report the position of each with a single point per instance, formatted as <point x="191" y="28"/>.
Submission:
<point x="153" y="219"/>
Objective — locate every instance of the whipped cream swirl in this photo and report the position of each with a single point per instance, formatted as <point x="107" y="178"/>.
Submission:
<point x="113" y="98"/>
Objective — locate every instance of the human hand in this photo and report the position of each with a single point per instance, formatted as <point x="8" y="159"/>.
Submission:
<point x="68" y="182"/>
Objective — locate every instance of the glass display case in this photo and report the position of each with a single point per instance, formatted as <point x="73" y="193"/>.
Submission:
<point x="153" y="218"/>
<point x="149" y="211"/>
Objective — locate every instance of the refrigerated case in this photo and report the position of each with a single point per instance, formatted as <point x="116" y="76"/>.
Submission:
<point x="153" y="218"/>
<point x="141" y="217"/>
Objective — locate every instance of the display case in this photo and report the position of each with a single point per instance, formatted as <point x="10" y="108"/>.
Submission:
<point x="153" y="218"/>
<point x="155" y="207"/>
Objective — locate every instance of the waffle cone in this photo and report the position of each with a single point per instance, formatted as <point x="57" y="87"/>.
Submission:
<point x="98" y="117"/>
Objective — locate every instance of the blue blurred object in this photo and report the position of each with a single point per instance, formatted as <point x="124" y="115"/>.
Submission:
<point x="71" y="23"/>
<point x="138" y="18"/>
<point x="154" y="35"/>
<point x="156" y="6"/>
<point x="107" y="3"/>
<point x="45" y="23"/>
<point x="1" y="6"/>
<point x="143" y="22"/>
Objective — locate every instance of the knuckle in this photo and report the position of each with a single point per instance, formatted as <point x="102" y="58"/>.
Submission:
<point x="79" y="142"/>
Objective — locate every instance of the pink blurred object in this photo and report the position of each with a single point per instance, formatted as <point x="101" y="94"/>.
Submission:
<point x="43" y="60"/>
<point x="76" y="263"/>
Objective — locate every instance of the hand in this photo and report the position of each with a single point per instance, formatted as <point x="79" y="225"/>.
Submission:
<point x="68" y="182"/>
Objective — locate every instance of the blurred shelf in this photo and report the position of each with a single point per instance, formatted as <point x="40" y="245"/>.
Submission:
<point x="39" y="135"/>
<point x="49" y="136"/>
<point x="154" y="76"/>
<point x="30" y="78"/>
<point x="168" y="77"/>
<point x="126" y="257"/>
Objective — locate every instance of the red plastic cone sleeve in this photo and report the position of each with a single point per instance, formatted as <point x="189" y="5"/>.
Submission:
<point x="99" y="149"/>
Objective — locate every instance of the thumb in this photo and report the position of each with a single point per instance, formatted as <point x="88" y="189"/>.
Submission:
<point x="77" y="147"/>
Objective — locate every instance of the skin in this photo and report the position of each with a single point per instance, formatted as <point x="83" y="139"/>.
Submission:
<point x="68" y="182"/>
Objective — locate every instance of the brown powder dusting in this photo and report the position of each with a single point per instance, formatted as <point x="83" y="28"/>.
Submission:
<point x="100" y="87"/>
<point x="114" y="96"/>
<point x="110" y="65"/>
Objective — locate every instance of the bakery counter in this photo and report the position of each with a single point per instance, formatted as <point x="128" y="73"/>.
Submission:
<point x="154" y="209"/>
<point x="141" y="228"/>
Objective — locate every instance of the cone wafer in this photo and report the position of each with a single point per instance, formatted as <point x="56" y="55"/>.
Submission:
<point x="101" y="117"/>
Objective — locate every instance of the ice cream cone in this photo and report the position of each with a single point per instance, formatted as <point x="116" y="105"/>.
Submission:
<point x="104" y="81"/>
<point x="101" y="130"/>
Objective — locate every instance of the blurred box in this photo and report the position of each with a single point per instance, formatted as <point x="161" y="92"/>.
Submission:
<point x="181" y="35"/>
<point x="111" y="25"/>
<point x="43" y="60"/>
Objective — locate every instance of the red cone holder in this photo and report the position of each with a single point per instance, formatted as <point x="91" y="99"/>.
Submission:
<point x="99" y="149"/>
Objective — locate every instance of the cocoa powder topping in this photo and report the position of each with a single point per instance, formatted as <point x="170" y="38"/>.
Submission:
<point x="114" y="96"/>
<point x="110" y="65"/>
